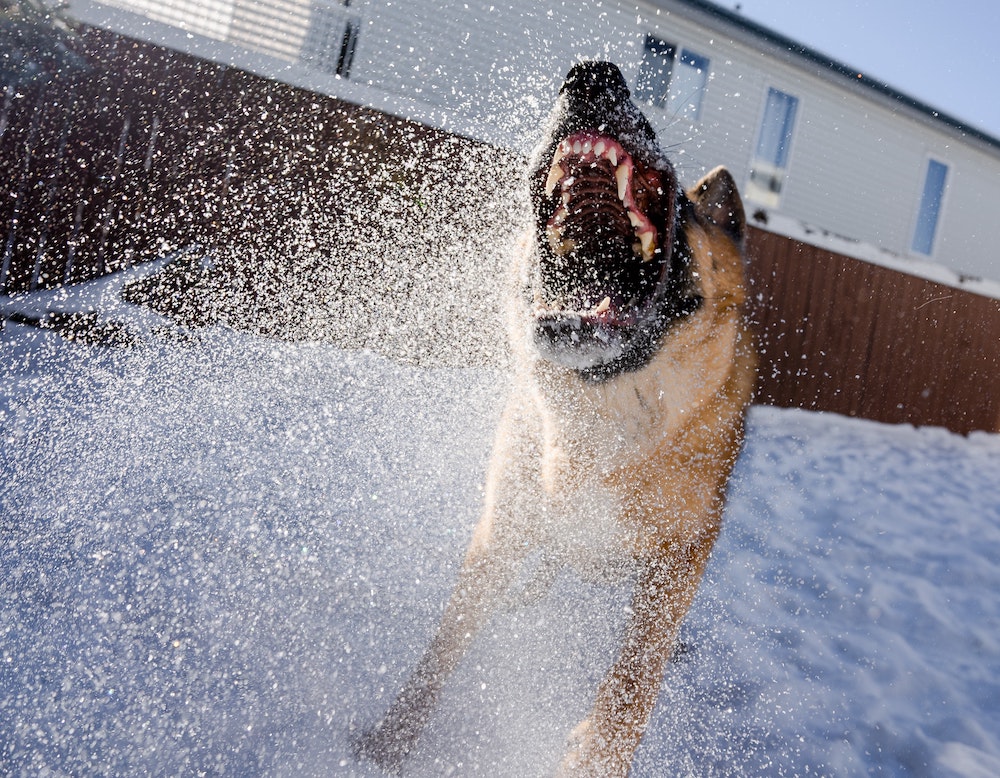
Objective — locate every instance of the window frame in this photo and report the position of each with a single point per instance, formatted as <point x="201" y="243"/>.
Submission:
<point x="932" y="240"/>
<point x="768" y="176"/>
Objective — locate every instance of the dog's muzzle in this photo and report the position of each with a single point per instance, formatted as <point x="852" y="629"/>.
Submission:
<point x="605" y="203"/>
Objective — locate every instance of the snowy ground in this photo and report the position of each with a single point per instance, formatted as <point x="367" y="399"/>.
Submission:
<point x="221" y="556"/>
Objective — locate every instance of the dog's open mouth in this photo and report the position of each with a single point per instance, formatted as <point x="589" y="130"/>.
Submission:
<point x="607" y="276"/>
<point x="605" y="253"/>
<point x="601" y="196"/>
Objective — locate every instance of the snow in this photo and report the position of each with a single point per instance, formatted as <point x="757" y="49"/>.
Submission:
<point x="100" y="298"/>
<point x="796" y="229"/>
<point x="221" y="554"/>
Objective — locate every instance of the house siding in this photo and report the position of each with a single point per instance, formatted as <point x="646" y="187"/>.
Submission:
<point x="275" y="27"/>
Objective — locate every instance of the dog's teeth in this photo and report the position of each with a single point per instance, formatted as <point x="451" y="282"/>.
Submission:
<point x="555" y="174"/>
<point x="634" y="219"/>
<point x="554" y="235"/>
<point x="599" y="148"/>
<point x="587" y="147"/>
<point x="621" y="176"/>
<point x="613" y="156"/>
<point x="647" y="241"/>
<point x="561" y="152"/>
<point x="577" y="147"/>
<point x="604" y="305"/>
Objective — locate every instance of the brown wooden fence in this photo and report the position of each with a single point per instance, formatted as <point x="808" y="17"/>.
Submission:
<point x="151" y="149"/>
<point x="91" y="163"/>
<point x="839" y="334"/>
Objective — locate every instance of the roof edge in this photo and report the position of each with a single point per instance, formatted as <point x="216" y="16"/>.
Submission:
<point x="837" y="67"/>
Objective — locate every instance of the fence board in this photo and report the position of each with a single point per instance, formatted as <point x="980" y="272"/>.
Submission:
<point x="843" y="335"/>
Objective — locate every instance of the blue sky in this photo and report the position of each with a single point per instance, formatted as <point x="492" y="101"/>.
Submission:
<point x="943" y="52"/>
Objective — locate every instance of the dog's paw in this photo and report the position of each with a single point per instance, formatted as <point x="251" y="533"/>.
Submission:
<point x="589" y="754"/>
<point x="383" y="746"/>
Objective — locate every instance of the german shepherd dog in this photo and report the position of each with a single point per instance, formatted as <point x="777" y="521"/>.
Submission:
<point x="633" y="369"/>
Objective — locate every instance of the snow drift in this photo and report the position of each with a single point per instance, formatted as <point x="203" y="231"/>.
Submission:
<point x="222" y="554"/>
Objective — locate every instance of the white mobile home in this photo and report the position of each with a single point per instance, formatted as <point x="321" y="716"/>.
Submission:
<point x="808" y="137"/>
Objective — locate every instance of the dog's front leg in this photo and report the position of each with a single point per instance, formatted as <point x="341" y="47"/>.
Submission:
<point x="497" y="548"/>
<point x="603" y="743"/>
<point x="485" y="575"/>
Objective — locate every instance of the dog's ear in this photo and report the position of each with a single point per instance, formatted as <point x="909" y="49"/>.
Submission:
<point x="716" y="198"/>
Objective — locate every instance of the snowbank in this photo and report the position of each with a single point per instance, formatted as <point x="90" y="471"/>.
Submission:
<point x="224" y="555"/>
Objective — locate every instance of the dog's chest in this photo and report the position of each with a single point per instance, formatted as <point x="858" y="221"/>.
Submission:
<point x="581" y="527"/>
<point x="606" y="427"/>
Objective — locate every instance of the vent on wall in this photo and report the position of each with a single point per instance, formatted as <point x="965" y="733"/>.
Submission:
<point x="332" y="38"/>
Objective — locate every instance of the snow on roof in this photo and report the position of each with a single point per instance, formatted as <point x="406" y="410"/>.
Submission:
<point x="866" y="252"/>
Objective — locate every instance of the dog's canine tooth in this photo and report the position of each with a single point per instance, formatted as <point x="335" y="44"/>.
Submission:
<point x="647" y="243"/>
<point x="556" y="171"/>
<point x="555" y="174"/>
<point x="622" y="177"/>
<point x="604" y="305"/>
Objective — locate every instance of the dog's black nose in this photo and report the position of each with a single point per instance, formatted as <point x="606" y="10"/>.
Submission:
<point x="592" y="79"/>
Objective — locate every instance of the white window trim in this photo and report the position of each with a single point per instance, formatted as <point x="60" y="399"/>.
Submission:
<point x="755" y="139"/>
<point x="916" y="199"/>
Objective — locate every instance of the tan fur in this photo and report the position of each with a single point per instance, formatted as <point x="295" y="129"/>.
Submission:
<point x="628" y="473"/>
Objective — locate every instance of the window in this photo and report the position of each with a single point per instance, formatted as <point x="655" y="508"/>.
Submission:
<point x="767" y="173"/>
<point x="930" y="207"/>
<point x="689" y="85"/>
<point x="674" y="83"/>
<point x="653" y="83"/>
<point x="332" y="38"/>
